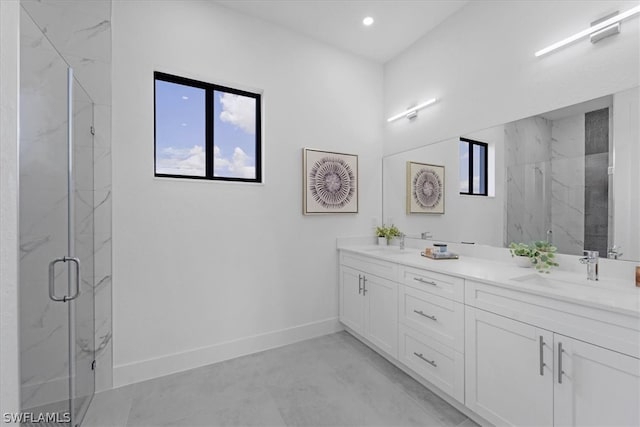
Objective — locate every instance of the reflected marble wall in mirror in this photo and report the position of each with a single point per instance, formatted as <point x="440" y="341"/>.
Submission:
<point x="571" y="176"/>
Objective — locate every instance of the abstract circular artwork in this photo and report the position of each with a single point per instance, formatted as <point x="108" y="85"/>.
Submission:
<point x="331" y="182"/>
<point x="427" y="188"/>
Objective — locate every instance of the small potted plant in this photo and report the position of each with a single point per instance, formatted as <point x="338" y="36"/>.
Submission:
<point x="540" y="254"/>
<point x="392" y="233"/>
<point x="381" y="233"/>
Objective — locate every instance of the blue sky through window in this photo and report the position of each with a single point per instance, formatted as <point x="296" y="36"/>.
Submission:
<point x="234" y="135"/>
<point x="180" y="129"/>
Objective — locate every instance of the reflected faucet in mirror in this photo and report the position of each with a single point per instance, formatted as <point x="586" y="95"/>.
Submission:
<point x="426" y="235"/>
<point x="614" y="252"/>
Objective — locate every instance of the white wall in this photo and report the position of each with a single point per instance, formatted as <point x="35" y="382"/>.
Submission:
<point x="626" y="178"/>
<point x="205" y="271"/>
<point x="480" y="64"/>
<point x="9" y="88"/>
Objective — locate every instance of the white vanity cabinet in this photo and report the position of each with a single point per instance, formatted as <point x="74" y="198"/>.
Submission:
<point x="510" y="355"/>
<point x="368" y="302"/>
<point x="520" y="374"/>
<point x="597" y="387"/>
<point x="509" y="370"/>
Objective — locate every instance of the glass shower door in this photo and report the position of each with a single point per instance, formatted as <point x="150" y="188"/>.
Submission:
<point x="56" y="236"/>
<point x="82" y="325"/>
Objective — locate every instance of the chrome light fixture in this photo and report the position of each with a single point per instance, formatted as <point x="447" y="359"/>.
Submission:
<point x="412" y="112"/>
<point x="598" y="30"/>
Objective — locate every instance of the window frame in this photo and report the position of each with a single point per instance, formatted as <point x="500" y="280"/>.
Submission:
<point x="209" y="89"/>
<point x="485" y="160"/>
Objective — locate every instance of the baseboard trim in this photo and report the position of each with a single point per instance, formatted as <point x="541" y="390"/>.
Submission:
<point x="153" y="368"/>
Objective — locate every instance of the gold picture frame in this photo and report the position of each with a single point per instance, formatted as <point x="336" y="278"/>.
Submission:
<point x="330" y="182"/>
<point x="425" y="188"/>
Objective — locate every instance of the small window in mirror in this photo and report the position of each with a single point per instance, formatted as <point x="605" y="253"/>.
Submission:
<point x="474" y="157"/>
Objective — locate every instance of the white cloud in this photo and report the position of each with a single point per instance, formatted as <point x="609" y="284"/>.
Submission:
<point x="240" y="111"/>
<point x="182" y="161"/>
<point x="235" y="166"/>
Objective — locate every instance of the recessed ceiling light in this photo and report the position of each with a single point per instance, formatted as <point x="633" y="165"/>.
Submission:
<point x="367" y="21"/>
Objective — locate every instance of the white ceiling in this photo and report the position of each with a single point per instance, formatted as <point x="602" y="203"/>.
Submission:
<point x="398" y="23"/>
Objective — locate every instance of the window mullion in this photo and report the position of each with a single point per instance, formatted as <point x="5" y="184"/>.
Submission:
<point x="470" y="177"/>
<point x="209" y="133"/>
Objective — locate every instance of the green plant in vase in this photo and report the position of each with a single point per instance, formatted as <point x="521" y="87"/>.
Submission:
<point x="392" y="232"/>
<point x="541" y="254"/>
<point x="382" y="231"/>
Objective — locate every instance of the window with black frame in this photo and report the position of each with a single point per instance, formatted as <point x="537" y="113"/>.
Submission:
<point x="206" y="131"/>
<point x="474" y="156"/>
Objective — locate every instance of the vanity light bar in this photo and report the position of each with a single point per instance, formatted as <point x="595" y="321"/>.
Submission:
<point x="601" y="25"/>
<point x="411" y="112"/>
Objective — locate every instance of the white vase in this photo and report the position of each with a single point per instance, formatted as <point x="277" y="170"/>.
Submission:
<point x="382" y="241"/>
<point x="523" y="261"/>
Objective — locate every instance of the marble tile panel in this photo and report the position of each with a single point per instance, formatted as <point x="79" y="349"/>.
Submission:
<point x="567" y="137"/>
<point x="80" y="28"/>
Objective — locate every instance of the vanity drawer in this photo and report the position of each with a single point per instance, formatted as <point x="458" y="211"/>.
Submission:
<point x="440" y="365"/>
<point x="437" y="284"/>
<point x="439" y="318"/>
<point x="377" y="267"/>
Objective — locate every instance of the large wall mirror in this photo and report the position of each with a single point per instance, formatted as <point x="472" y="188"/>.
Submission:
<point x="571" y="176"/>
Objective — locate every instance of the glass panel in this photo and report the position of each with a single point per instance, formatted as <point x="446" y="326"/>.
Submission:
<point x="84" y="206"/>
<point x="234" y="135"/>
<point x="479" y="167"/>
<point x="44" y="324"/>
<point x="464" y="167"/>
<point x="180" y="129"/>
<point x="476" y="168"/>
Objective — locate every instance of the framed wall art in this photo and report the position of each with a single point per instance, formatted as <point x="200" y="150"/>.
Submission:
<point x="330" y="182"/>
<point x="425" y="188"/>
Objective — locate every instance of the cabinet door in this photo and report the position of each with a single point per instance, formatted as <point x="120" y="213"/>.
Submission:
<point x="381" y="313"/>
<point x="508" y="370"/>
<point x="598" y="387"/>
<point x="351" y="299"/>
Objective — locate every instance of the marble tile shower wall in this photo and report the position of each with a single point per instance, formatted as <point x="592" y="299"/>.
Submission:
<point x="546" y="181"/>
<point x="527" y="145"/>
<point x="81" y="33"/>
<point x="567" y="186"/>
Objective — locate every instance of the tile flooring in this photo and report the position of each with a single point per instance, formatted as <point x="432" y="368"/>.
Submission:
<point x="333" y="380"/>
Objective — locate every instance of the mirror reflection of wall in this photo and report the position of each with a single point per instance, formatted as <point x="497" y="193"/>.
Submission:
<point x="570" y="175"/>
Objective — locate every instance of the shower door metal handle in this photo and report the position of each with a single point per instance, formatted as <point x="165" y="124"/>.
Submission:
<point x="52" y="279"/>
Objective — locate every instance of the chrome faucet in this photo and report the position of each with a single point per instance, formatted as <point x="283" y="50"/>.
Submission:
<point x="591" y="259"/>
<point x="426" y="235"/>
<point x="614" y="252"/>
<point x="401" y="240"/>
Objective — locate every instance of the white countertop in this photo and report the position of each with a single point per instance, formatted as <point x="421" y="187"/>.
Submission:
<point x="609" y="294"/>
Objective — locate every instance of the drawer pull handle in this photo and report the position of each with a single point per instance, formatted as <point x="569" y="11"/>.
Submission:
<point x="420" y="312"/>
<point x="560" y="371"/>
<point x="421" y="280"/>
<point x="430" y="362"/>
<point x="542" y="364"/>
<point x="359" y="284"/>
